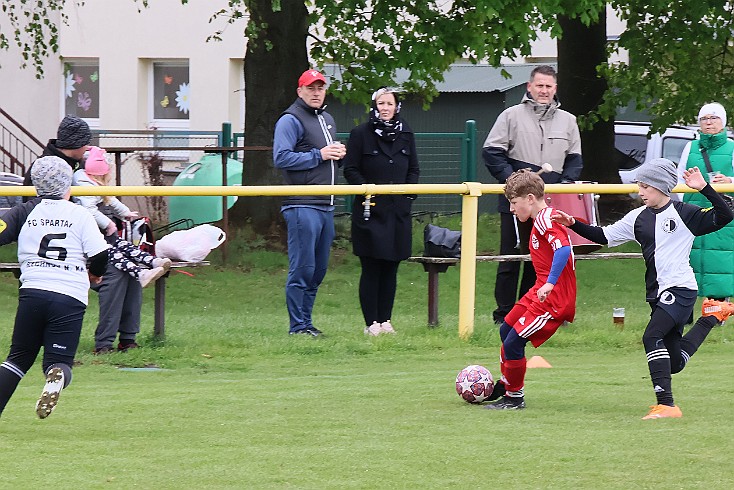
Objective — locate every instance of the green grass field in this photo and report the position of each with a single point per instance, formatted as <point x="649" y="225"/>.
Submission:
<point x="229" y="400"/>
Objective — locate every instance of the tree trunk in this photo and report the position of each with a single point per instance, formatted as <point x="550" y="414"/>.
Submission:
<point x="276" y="56"/>
<point x="581" y="90"/>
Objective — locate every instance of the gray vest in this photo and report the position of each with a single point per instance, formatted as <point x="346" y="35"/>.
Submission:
<point x="319" y="131"/>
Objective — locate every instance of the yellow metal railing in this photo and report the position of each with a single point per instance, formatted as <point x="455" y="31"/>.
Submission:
<point x="470" y="192"/>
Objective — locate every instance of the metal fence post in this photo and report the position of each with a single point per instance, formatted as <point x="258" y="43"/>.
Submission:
<point x="468" y="152"/>
<point x="468" y="265"/>
<point x="226" y="142"/>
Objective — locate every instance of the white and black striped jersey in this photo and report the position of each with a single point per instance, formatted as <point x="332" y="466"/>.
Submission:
<point x="55" y="237"/>
<point x="666" y="236"/>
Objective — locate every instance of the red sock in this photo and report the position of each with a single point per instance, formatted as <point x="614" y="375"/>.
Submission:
<point x="514" y="373"/>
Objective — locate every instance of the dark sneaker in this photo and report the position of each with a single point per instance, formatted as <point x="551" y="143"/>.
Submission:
<point x="507" y="403"/>
<point x="498" y="391"/>
<point x="313" y="332"/>
<point x="51" y="391"/>
<point x="126" y="346"/>
<point x="103" y="350"/>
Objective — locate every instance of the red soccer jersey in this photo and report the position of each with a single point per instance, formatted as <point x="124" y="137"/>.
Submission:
<point x="545" y="238"/>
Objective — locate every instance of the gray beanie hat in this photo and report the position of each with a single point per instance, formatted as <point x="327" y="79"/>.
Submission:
<point x="73" y="133"/>
<point x="51" y="176"/>
<point x="659" y="173"/>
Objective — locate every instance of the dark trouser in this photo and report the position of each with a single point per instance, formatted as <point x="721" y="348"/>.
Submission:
<point x="667" y="349"/>
<point x="44" y="319"/>
<point x="120" y="300"/>
<point x="377" y="286"/>
<point x="505" y="289"/>
<point x="310" y="233"/>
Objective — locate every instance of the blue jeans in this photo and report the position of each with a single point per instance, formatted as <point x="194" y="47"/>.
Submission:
<point x="310" y="233"/>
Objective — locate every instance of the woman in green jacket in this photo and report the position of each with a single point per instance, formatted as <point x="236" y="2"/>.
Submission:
<point x="712" y="256"/>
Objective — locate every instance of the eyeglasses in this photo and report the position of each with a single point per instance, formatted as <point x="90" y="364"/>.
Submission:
<point x="709" y="119"/>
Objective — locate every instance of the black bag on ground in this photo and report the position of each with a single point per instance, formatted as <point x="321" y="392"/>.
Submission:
<point x="441" y="242"/>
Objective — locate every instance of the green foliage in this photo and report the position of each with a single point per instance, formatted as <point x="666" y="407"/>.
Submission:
<point x="372" y="41"/>
<point x="680" y="52"/>
<point x="29" y="25"/>
<point x="680" y="58"/>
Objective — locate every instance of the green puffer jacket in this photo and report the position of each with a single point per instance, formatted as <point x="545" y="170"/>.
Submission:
<point x="712" y="256"/>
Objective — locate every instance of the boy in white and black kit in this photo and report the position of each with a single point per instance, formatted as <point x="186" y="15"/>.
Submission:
<point x="665" y="230"/>
<point x="56" y="238"/>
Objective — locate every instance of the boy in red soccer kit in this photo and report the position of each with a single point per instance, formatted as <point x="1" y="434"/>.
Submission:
<point x="549" y="303"/>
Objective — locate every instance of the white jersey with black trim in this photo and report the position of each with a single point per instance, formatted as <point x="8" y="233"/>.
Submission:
<point x="666" y="236"/>
<point x="55" y="238"/>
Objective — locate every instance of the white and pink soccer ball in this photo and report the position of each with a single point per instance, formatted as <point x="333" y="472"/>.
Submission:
<point x="474" y="383"/>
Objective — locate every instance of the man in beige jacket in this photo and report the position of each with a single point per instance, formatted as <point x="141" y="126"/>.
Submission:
<point x="527" y="135"/>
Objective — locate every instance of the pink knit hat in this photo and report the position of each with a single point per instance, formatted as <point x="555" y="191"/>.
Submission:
<point x="96" y="163"/>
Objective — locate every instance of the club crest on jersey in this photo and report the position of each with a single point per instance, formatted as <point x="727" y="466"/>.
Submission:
<point x="667" y="298"/>
<point x="669" y="225"/>
<point x="534" y="241"/>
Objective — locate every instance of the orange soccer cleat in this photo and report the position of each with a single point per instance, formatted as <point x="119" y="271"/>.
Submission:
<point x="720" y="309"/>
<point x="662" y="412"/>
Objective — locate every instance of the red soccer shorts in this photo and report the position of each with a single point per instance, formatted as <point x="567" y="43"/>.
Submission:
<point x="531" y="320"/>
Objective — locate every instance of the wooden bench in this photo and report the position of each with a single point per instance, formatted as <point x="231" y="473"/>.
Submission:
<point x="159" y="315"/>
<point x="436" y="265"/>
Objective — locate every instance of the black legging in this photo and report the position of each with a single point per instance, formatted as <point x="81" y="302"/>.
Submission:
<point x="377" y="286"/>
<point x="668" y="350"/>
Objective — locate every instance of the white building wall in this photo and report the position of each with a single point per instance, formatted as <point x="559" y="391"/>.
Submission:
<point x="33" y="103"/>
<point x="126" y="42"/>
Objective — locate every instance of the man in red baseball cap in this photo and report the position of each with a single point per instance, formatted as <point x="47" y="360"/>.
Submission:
<point x="310" y="76"/>
<point x="306" y="150"/>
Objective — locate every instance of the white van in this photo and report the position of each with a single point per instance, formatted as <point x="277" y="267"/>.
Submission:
<point x="634" y="148"/>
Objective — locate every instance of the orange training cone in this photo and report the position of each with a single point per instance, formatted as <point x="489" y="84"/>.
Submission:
<point x="538" y="362"/>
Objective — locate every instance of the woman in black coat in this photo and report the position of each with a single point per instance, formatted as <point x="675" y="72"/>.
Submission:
<point x="381" y="151"/>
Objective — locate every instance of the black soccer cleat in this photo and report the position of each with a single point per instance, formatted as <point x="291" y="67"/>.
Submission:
<point x="507" y="403"/>
<point x="498" y="391"/>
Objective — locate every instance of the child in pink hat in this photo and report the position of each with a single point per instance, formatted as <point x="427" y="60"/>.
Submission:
<point x="125" y="256"/>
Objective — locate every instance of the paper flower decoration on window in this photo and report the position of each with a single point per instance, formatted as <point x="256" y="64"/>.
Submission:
<point x="168" y="79"/>
<point x="84" y="101"/>
<point x="182" y="98"/>
<point x="69" y="84"/>
<point x="94" y="77"/>
<point x="165" y="102"/>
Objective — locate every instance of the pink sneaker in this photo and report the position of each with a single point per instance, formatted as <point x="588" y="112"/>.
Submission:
<point x="374" y="330"/>
<point x="386" y="327"/>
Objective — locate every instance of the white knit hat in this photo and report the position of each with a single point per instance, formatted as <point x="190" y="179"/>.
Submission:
<point x="52" y="176"/>
<point x="713" y="108"/>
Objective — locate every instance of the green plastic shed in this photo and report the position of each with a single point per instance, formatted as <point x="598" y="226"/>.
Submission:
<point x="204" y="209"/>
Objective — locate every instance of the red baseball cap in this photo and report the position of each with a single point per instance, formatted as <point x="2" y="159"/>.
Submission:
<point x="309" y="77"/>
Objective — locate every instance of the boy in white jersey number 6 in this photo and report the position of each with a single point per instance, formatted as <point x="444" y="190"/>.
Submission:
<point x="56" y="239"/>
<point x="665" y="230"/>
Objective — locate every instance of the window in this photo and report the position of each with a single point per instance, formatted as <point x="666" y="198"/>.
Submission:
<point x="81" y="88"/>
<point x="673" y="148"/>
<point x="171" y="96"/>
<point x="632" y="147"/>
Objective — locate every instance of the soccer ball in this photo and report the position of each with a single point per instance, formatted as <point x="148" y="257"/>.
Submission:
<point x="474" y="383"/>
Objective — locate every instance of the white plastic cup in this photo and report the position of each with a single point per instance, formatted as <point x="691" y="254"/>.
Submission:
<point x="618" y="316"/>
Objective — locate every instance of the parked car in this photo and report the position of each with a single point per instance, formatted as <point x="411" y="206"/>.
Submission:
<point x="635" y="148"/>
